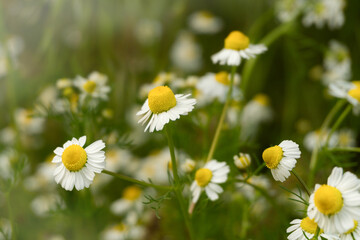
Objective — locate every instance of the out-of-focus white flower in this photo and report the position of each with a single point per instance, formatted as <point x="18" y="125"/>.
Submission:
<point x="43" y="205"/>
<point x="188" y="166"/>
<point x="248" y="191"/>
<point x="7" y="136"/>
<point x="163" y="78"/>
<point x="346" y="138"/>
<point x="318" y="138"/>
<point x="10" y="50"/>
<point x="26" y="123"/>
<point x="42" y="179"/>
<point x="242" y="161"/>
<point x="353" y="233"/>
<point x="147" y="31"/>
<point x="321" y="12"/>
<point x="237" y="46"/>
<point x="185" y="53"/>
<point x="204" y="22"/>
<point x="131" y="200"/>
<point x="255" y="112"/>
<point x="287" y="10"/>
<point x="123" y="231"/>
<point x="337" y="63"/>
<point x="349" y="91"/>
<point x="6" y="229"/>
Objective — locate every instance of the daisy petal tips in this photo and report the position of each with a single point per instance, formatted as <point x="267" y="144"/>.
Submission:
<point x="76" y="166"/>
<point x="162" y="105"/>
<point x="237" y="46"/>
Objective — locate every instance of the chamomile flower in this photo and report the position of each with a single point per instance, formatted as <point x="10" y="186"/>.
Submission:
<point x="355" y="231"/>
<point x="237" y="46"/>
<point x="123" y="231"/>
<point x="334" y="206"/>
<point x="208" y="178"/>
<point x="27" y="123"/>
<point x="94" y="86"/>
<point x="162" y="106"/>
<point x="131" y="200"/>
<point x="242" y="161"/>
<point x="248" y="191"/>
<point x="216" y="86"/>
<point x="349" y="91"/>
<point x="319" y="138"/>
<point x="188" y="166"/>
<point x="204" y="22"/>
<point x="281" y="159"/>
<point x="303" y="229"/>
<point x="76" y="166"/>
<point x="346" y="138"/>
<point x="43" y="205"/>
<point x="287" y="10"/>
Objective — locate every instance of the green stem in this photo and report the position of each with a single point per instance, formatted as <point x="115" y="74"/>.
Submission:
<point x="129" y="179"/>
<point x="255" y="172"/>
<point x="316" y="236"/>
<point x="345" y="149"/>
<point x="352" y="235"/>
<point x="314" y="156"/>
<point x="338" y="122"/>
<point x="301" y="182"/>
<point x="222" y="117"/>
<point x="177" y="184"/>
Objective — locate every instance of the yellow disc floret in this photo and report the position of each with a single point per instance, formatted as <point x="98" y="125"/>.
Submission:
<point x="262" y="99"/>
<point x="236" y="40"/>
<point x="89" y="86"/>
<point x="223" y="78"/>
<point x="74" y="158"/>
<point x="272" y="156"/>
<point x="203" y="176"/>
<point x="308" y="225"/>
<point x="161" y="99"/>
<point x="328" y="199"/>
<point x="131" y="193"/>
<point x="355" y="92"/>
<point x="353" y="229"/>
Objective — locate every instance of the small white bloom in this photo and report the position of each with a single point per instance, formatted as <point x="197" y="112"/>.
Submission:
<point x="349" y="91"/>
<point x="188" y="166"/>
<point x="94" y="86"/>
<point x="27" y="123"/>
<point x="76" y="166"/>
<point x="248" y="191"/>
<point x="147" y="31"/>
<point x="131" y="200"/>
<point x="334" y="206"/>
<point x="355" y="231"/>
<point x="281" y="159"/>
<point x="237" y="46"/>
<point x="205" y="22"/>
<point x="318" y="139"/>
<point x="288" y="10"/>
<point x="123" y="231"/>
<point x="162" y="106"/>
<point x="208" y="179"/>
<point x="43" y="205"/>
<point x="242" y="161"/>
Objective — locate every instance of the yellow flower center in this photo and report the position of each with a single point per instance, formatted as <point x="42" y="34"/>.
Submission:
<point x="161" y="99"/>
<point x="328" y="200"/>
<point x="353" y="229"/>
<point x="203" y="176"/>
<point x="74" y="158"/>
<point x="355" y="92"/>
<point x="131" y="193"/>
<point x="236" y="40"/>
<point x="68" y="91"/>
<point x="223" y="78"/>
<point x="206" y="14"/>
<point x="262" y="99"/>
<point x="120" y="227"/>
<point x="89" y="86"/>
<point x="272" y="156"/>
<point x="244" y="161"/>
<point x="308" y="225"/>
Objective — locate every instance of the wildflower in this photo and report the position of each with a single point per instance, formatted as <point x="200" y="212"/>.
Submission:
<point x="186" y="53"/>
<point x="43" y="177"/>
<point x="242" y="161"/>
<point x="319" y="137"/>
<point x="207" y="178"/>
<point x="94" y="86"/>
<point x="123" y="231"/>
<point x="131" y="200"/>
<point x="355" y="231"/>
<point x="248" y="191"/>
<point x="288" y="10"/>
<point x="302" y="229"/>
<point x="335" y="205"/>
<point x="204" y="22"/>
<point x="6" y="229"/>
<point x="43" y="205"/>
<point x="27" y="123"/>
<point x="147" y="31"/>
<point x="10" y="49"/>
<point x="346" y="138"/>
<point x="281" y="159"/>
<point x="188" y="166"/>
<point x="237" y="46"/>
<point x="76" y="166"/>
<point x="162" y="106"/>
<point x="320" y="12"/>
<point x="216" y="86"/>
<point x="349" y="91"/>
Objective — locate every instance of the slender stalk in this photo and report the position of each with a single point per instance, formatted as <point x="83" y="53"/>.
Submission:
<point x="142" y="183"/>
<point x="255" y="172"/>
<point x="345" y="149"/>
<point x="316" y="236"/>
<point x="314" y="156"/>
<point x="338" y="122"/>
<point x="301" y="182"/>
<point x="177" y="184"/>
<point x="352" y="235"/>
<point x="222" y="117"/>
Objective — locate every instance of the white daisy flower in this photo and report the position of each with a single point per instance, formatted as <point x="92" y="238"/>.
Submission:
<point x="93" y="86"/>
<point x="242" y="161"/>
<point x="216" y="86"/>
<point x="281" y="159"/>
<point x="76" y="166"/>
<point x="237" y="46"/>
<point x="27" y="123"/>
<point x="288" y="10"/>
<point x="204" y="22"/>
<point x="123" y="231"/>
<point x="334" y="206"/>
<point x="318" y="138"/>
<point x="131" y="200"/>
<point x="349" y="91"/>
<point x="207" y="178"/>
<point x="248" y="191"/>
<point x="320" y="12"/>
<point x="346" y="138"/>
<point x="162" y="106"/>
<point x="355" y="231"/>
<point x="303" y="229"/>
<point x="188" y="166"/>
<point x="43" y="205"/>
